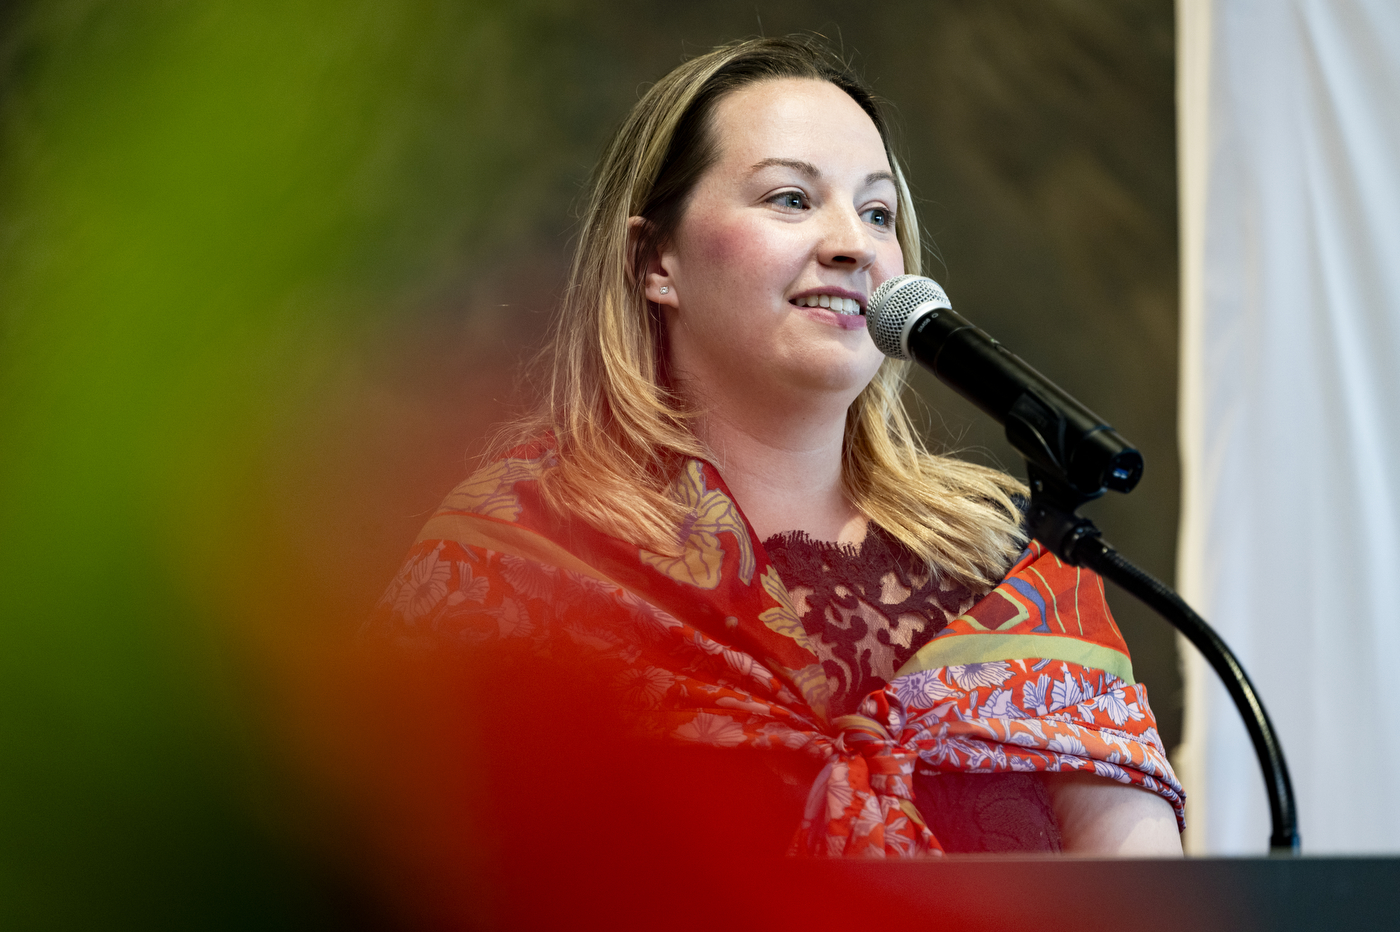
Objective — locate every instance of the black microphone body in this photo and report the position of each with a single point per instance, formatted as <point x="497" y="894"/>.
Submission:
<point x="909" y="317"/>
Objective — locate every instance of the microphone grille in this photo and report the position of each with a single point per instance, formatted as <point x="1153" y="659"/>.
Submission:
<point x="891" y="307"/>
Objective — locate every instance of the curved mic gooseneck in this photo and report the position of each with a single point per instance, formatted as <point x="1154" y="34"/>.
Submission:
<point x="1072" y="457"/>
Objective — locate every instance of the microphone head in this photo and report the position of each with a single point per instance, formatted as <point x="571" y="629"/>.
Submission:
<point x="894" y="307"/>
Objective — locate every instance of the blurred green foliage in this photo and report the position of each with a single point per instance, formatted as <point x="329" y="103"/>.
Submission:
<point x="265" y="269"/>
<point x="193" y="195"/>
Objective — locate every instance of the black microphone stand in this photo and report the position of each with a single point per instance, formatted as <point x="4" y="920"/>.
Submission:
<point x="1076" y="541"/>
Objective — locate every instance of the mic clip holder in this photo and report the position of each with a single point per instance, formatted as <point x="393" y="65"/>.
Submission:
<point x="1051" y="516"/>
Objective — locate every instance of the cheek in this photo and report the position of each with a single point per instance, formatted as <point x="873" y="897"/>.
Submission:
<point x="891" y="260"/>
<point x="722" y="247"/>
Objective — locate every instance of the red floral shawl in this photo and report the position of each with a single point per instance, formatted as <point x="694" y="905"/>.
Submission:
<point x="706" y="648"/>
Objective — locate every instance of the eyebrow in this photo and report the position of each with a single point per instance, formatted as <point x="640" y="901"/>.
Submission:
<point x="806" y="168"/>
<point x="811" y="171"/>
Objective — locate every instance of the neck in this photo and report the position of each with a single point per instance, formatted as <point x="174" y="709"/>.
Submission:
<point x="784" y="468"/>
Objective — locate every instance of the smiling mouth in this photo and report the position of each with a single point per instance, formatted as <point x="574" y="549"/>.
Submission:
<point x="847" y="306"/>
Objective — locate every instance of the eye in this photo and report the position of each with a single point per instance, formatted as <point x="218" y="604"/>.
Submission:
<point x="790" y="200"/>
<point x="880" y="216"/>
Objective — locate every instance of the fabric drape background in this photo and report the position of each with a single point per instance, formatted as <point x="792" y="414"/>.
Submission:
<point x="1289" y="144"/>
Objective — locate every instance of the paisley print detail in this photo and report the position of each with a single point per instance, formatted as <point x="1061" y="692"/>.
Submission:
<point x="712" y="513"/>
<point x="783" y="617"/>
<point x="491" y="491"/>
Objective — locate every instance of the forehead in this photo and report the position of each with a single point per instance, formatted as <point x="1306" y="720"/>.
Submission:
<point x="797" y="118"/>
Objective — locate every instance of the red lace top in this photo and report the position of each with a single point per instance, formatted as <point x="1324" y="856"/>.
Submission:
<point x="867" y="610"/>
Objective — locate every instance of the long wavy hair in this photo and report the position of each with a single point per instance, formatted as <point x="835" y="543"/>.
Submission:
<point x="622" y="431"/>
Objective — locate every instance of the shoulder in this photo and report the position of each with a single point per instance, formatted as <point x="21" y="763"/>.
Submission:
<point x="493" y="489"/>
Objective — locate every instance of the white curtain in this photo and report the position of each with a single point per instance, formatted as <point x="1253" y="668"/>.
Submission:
<point x="1289" y="143"/>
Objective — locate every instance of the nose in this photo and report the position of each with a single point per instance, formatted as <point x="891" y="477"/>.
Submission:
<point x="846" y="242"/>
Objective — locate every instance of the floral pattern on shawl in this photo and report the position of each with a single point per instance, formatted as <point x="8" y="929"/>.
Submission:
<point x="491" y="491"/>
<point x="1035" y="677"/>
<point x="712" y="513"/>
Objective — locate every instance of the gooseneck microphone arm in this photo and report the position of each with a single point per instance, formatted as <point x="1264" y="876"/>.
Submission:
<point x="1076" y="541"/>
<point x="1072" y="457"/>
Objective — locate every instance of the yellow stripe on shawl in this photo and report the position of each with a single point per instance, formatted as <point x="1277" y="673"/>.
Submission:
<point x="981" y="648"/>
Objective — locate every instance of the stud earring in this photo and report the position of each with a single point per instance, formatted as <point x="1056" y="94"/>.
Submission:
<point x="665" y="289"/>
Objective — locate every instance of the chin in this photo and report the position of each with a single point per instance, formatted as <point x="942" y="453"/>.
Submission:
<point x="849" y="379"/>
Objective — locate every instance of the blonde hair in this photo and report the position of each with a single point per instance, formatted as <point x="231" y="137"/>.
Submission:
<point x="622" y="431"/>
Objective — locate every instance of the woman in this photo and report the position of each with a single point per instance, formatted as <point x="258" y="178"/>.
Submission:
<point x="722" y="514"/>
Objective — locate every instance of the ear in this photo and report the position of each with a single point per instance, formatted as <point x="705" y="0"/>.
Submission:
<point x="658" y="284"/>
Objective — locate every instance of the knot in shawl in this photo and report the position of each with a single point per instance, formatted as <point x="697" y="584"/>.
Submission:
<point x="862" y="804"/>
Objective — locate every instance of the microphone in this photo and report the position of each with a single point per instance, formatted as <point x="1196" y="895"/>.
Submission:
<point x="909" y="317"/>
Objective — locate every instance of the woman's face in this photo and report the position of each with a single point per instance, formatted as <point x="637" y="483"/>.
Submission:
<point x="796" y="212"/>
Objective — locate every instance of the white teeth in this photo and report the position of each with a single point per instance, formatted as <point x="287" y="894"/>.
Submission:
<point x="837" y="304"/>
